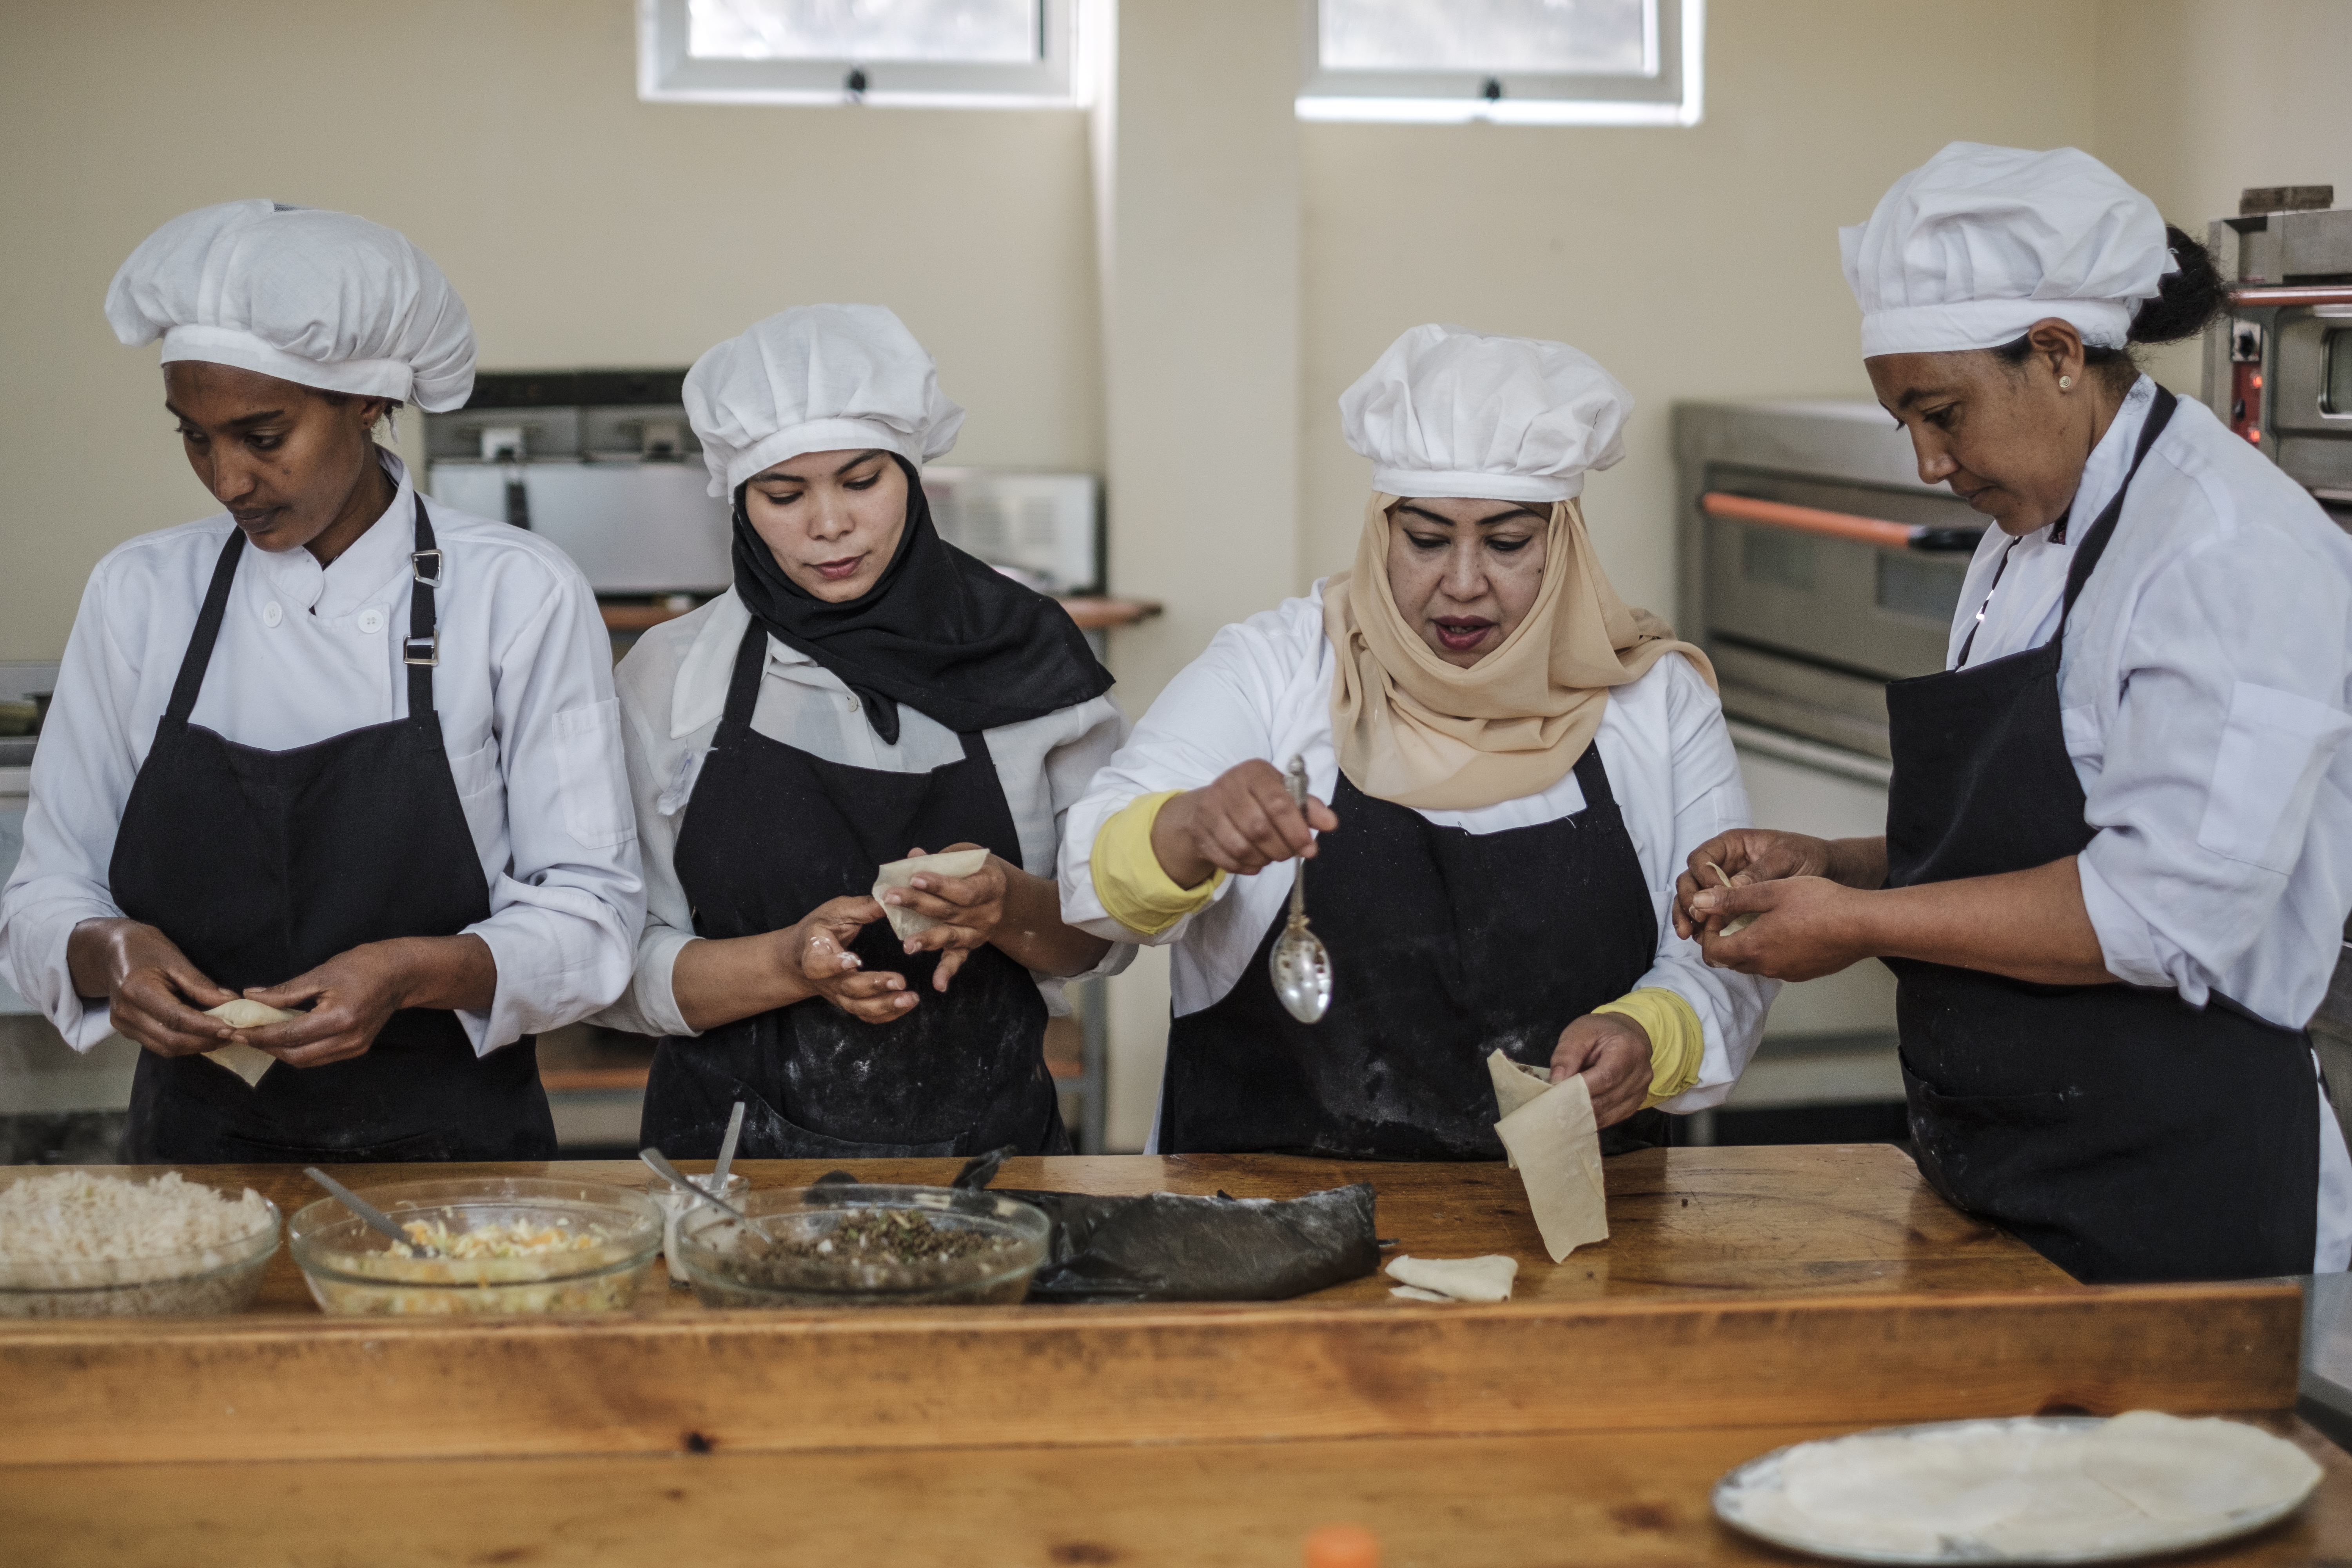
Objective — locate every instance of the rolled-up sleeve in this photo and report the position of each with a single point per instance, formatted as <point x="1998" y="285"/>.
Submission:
<point x="1709" y="798"/>
<point x="82" y="774"/>
<point x="2231" y="714"/>
<point x="565" y="912"/>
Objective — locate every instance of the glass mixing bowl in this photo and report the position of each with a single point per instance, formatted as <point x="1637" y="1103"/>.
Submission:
<point x="847" y="1245"/>
<point x="186" y="1283"/>
<point x="606" y="1238"/>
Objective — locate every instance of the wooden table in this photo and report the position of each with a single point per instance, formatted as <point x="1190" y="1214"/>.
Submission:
<point x="1747" y="1297"/>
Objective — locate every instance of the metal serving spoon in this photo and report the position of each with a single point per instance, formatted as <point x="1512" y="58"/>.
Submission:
<point x="1300" y="967"/>
<point x="659" y="1164"/>
<point x="375" y="1218"/>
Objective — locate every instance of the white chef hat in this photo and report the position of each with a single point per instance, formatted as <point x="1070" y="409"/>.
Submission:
<point x="817" y="378"/>
<point x="1972" y="248"/>
<point x="319" y="298"/>
<point x="1450" y="412"/>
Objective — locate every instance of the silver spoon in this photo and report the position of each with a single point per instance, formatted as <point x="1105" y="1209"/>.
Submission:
<point x="659" y="1164"/>
<point x="1300" y="967"/>
<point x="727" y="1147"/>
<point x="375" y="1218"/>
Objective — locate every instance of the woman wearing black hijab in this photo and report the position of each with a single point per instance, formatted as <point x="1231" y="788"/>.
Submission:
<point x="865" y="692"/>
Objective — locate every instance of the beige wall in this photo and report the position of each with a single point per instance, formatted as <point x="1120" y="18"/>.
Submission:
<point x="581" y="226"/>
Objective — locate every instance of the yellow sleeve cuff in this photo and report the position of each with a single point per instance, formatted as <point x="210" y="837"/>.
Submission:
<point x="1677" y="1042"/>
<point x="1133" y="889"/>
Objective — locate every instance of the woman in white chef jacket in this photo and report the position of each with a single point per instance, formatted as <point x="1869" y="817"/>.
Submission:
<point x="2118" y="847"/>
<point x="1515" y="765"/>
<point x="864" y="692"/>
<point x="333" y="748"/>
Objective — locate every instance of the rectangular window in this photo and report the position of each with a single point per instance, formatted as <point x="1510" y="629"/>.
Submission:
<point x="1017" y="54"/>
<point x="1522" y="62"/>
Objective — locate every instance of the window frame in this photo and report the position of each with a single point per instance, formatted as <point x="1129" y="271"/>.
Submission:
<point x="667" y="73"/>
<point x="1673" y="95"/>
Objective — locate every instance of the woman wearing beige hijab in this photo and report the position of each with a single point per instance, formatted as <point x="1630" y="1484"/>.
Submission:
<point x="1515" y="765"/>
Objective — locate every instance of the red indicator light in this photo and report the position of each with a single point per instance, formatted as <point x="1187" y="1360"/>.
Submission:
<point x="2258" y="380"/>
<point x="2255" y="437"/>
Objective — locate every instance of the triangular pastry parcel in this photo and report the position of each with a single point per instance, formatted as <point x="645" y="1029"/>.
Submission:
<point x="244" y="1013"/>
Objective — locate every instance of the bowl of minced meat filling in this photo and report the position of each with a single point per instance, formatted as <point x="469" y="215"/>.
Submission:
<point x="849" y="1245"/>
<point x="75" y="1245"/>
<point x="511" y="1245"/>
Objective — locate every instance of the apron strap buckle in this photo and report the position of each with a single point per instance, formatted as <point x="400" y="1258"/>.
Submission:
<point x="416" y="566"/>
<point x="431" y="645"/>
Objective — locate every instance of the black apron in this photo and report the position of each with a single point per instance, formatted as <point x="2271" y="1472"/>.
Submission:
<point x="1445" y="945"/>
<point x="770" y="833"/>
<point x="2124" y="1135"/>
<point x="261" y="865"/>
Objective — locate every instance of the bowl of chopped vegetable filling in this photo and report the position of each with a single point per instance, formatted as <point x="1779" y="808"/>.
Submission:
<point x="505" y="1244"/>
<point x="844" y="1243"/>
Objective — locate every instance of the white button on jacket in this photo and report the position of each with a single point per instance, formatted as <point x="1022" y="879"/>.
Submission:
<point x="524" y="691"/>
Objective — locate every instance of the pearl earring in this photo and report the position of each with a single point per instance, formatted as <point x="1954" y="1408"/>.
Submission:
<point x="2065" y="382"/>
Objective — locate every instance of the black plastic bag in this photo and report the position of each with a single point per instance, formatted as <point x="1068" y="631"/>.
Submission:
<point x="1163" y="1247"/>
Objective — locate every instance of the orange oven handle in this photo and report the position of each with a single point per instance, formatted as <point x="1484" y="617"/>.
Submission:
<point x="1874" y="530"/>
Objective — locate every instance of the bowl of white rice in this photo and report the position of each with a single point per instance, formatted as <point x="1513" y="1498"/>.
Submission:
<point x="75" y="1245"/>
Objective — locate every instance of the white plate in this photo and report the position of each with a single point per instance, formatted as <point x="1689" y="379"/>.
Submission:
<point x="1743" y="1493"/>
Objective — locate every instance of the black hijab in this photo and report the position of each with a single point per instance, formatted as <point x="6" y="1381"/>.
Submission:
<point x="942" y="631"/>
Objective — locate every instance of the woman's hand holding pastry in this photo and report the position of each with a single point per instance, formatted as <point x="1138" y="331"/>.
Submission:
<point x="969" y="910"/>
<point x="154" y="994"/>
<point x="346" y="1000"/>
<point x="1611" y="1053"/>
<point x="1241" y="823"/>
<point x="344" y="1003"/>
<point x="816" y="952"/>
<point x="1806" y="927"/>
<point x="1744" y="856"/>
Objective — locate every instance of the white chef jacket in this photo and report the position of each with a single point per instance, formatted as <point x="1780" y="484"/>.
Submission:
<point x="1263" y="691"/>
<point x="2203" y="688"/>
<point x="524" y="691"/>
<point x="673" y="691"/>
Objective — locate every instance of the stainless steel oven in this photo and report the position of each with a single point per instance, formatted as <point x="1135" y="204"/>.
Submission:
<point x="2278" y="366"/>
<point x="1815" y="566"/>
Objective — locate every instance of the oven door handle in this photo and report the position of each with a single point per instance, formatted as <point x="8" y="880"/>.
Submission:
<point x="2292" y="294"/>
<point x="1874" y="530"/>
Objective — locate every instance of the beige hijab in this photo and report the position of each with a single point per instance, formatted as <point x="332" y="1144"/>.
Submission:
<point x="1412" y="729"/>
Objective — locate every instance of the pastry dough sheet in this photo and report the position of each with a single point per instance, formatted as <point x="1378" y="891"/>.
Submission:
<point x="902" y="874"/>
<point x="1485" y="1278"/>
<point x="1556" y="1146"/>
